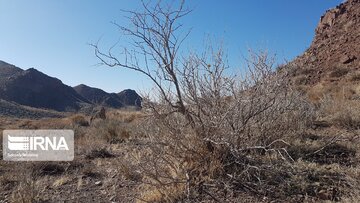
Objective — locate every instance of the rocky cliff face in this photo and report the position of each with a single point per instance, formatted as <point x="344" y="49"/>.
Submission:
<point x="333" y="58"/>
<point x="337" y="38"/>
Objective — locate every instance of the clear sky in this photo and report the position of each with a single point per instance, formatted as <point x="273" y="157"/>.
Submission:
<point x="53" y="35"/>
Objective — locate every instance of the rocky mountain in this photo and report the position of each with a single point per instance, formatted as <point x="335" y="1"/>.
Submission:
<point x="99" y="97"/>
<point x="35" y="89"/>
<point x="8" y="70"/>
<point x="332" y="62"/>
<point x="129" y="97"/>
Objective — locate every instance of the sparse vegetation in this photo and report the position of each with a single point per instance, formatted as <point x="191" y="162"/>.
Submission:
<point x="99" y="153"/>
<point x="79" y="120"/>
<point x="339" y="72"/>
<point x="341" y="112"/>
<point x="355" y="77"/>
<point x="211" y="136"/>
<point x="204" y="135"/>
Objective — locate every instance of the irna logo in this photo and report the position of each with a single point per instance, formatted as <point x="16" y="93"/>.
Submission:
<point x="37" y="143"/>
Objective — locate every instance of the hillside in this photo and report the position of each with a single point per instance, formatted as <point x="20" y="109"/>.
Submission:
<point x="99" y="97"/>
<point x="130" y="98"/>
<point x="13" y="110"/>
<point x="7" y="71"/>
<point x="331" y="65"/>
<point x="36" y="89"/>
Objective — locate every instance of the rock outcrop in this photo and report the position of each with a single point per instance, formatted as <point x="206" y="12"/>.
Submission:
<point x="337" y="39"/>
<point x="333" y="59"/>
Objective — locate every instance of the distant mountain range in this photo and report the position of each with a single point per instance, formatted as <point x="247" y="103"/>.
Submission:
<point x="35" y="89"/>
<point x="97" y="96"/>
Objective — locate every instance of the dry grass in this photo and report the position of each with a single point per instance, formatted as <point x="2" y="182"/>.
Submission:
<point x="152" y="163"/>
<point x="79" y="120"/>
<point x="355" y="77"/>
<point x="28" y="188"/>
<point x="341" y="90"/>
<point x="125" y="116"/>
<point x="341" y="112"/>
<point x="152" y="170"/>
<point x="61" y="181"/>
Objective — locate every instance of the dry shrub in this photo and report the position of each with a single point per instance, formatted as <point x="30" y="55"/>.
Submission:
<point x="167" y="193"/>
<point x="47" y="169"/>
<point x="339" y="72"/>
<point x="348" y="119"/>
<point x="90" y="173"/>
<point x="301" y="80"/>
<point x="341" y="112"/>
<point x="340" y="91"/>
<point x="79" y="120"/>
<point x="328" y="154"/>
<point x="28" y="189"/>
<point x="129" y="170"/>
<point x="111" y="131"/>
<point x="7" y="183"/>
<point x="228" y="136"/>
<point x="125" y="116"/>
<point x="209" y="135"/>
<point x="84" y="144"/>
<point x="100" y="133"/>
<point x="355" y="77"/>
<point x="26" y="192"/>
<point x="306" y="71"/>
<point x="99" y="153"/>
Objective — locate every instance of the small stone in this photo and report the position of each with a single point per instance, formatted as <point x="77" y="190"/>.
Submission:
<point x="98" y="183"/>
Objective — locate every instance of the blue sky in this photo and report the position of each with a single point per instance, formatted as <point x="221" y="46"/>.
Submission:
<point x="53" y="35"/>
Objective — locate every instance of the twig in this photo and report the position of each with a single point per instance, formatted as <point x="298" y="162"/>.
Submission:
<point x="333" y="140"/>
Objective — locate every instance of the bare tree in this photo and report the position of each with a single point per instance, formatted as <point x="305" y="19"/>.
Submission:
<point x="155" y="53"/>
<point x="203" y="116"/>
